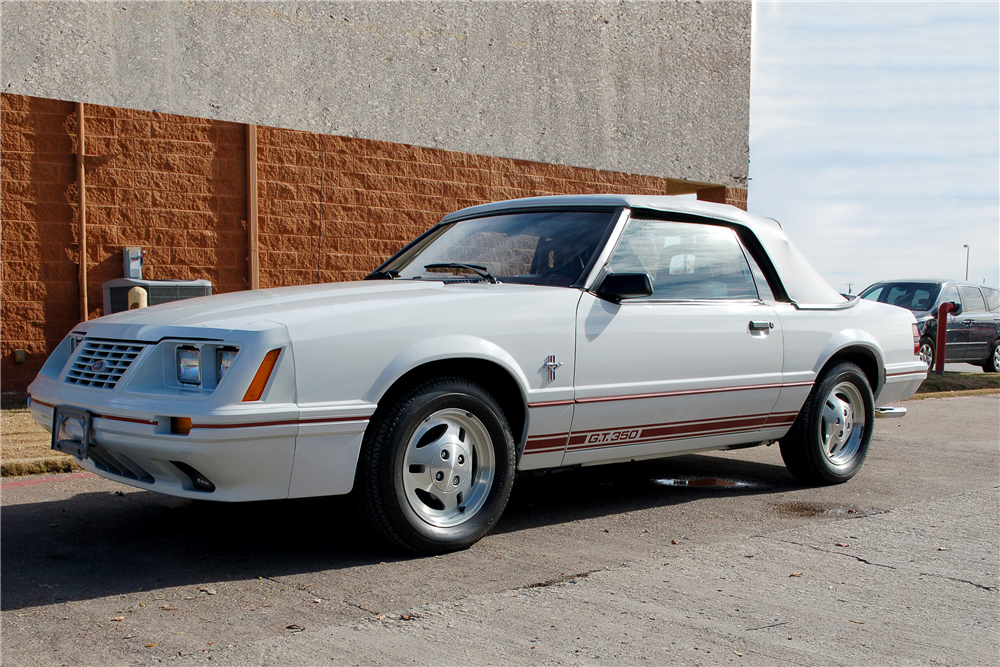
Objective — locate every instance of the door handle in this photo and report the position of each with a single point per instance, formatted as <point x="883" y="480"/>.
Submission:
<point x="761" y="326"/>
<point x="966" y="323"/>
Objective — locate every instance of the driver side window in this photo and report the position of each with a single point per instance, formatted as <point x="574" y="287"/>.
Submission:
<point x="950" y="293"/>
<point x="685" y="261"/>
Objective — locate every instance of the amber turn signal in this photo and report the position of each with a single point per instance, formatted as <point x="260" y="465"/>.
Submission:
<point x="256" y="389"/>
<point x="180" y="425"/>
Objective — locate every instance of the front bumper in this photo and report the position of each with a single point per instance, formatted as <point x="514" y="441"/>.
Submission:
<point x="248" y="456"/>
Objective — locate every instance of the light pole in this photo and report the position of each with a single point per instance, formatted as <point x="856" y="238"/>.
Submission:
<point x="966" y="261"/>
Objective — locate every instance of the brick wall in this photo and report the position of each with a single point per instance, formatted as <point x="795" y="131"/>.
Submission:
<point x="38" y="276"/>
<point x="175" y="186"/>
<point x="331" y="208"/>
<point x="724" y="195"/>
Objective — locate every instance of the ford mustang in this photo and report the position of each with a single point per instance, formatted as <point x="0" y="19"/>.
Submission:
<point x="523" y="335"/>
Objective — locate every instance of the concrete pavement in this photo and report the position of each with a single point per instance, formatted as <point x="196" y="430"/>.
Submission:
<point x="705" y="559"/>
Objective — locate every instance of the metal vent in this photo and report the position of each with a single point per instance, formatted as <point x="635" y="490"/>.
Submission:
<point x="102" y="363"/>
<point x="117" y="464"/>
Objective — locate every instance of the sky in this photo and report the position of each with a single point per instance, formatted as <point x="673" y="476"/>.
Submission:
<point x="875" y="136"/>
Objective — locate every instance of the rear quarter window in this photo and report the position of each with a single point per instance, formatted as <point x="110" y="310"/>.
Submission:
<point x="972" y="300"/>
<point x="992" y="299"/>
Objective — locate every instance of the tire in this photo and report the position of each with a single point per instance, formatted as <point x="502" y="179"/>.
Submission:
<point x="992" y="363"/>
<point x="927" y="347"/>
<point x="829" y="440"/>
<point x="436" y="467"/>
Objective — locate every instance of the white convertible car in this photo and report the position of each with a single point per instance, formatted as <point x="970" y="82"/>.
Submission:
<point x="520" y="335"/>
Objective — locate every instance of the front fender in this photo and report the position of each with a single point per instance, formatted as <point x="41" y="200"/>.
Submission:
<point x="443" y="348"/>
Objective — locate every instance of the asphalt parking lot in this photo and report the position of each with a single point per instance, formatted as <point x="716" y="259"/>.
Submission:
<point x="707" y="559"/>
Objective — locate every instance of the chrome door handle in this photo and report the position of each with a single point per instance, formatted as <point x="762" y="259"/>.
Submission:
<point x="761" y="326"/>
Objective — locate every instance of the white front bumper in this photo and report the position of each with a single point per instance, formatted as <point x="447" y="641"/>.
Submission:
<point x="250" y="456"/>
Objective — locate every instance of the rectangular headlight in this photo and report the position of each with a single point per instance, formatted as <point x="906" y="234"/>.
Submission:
<point x="224" y="357"/>
<point x="189" y="365"/>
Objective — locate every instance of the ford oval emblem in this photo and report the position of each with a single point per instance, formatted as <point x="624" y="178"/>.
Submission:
<point x="98" y="366"/>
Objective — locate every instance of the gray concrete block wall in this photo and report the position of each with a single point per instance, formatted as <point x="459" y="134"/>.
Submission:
<point x="658" y="88"/>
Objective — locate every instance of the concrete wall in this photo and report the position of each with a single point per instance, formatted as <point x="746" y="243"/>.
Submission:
<point x="657" y="88"/>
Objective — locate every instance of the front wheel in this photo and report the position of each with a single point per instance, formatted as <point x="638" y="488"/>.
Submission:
<point x="437" y="466"/>
<point x="829" y="440"/>
<point x="927" y="352"/>
<point x="992" y="364"/>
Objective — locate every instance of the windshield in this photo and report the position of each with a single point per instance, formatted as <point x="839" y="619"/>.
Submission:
<point x="539" y="248"/>
<point x="917" y="297"/>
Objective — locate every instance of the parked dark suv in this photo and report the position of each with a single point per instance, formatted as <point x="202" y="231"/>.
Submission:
<point x="972" y="334"/>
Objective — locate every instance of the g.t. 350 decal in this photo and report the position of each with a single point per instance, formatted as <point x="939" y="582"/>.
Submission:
<point x="614" y="436"/>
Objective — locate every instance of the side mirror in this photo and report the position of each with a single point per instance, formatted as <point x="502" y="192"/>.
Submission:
<point x="618" y="286"/>
<point x="956" y="308"/>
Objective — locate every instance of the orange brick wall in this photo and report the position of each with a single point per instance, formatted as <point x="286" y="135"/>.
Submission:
<point x="175" y="186"/>
<point x="333" y="208"/>
<point x="330" y="208"/>
<point x="724" y="195"/>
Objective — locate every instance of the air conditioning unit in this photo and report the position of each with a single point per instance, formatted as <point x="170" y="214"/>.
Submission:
<point x="158" y="291"/>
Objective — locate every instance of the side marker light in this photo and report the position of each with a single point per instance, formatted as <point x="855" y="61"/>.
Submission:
<point x="259" y="382"/>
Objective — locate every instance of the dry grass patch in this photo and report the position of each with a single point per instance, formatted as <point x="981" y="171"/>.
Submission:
<point x="24" y="447"/>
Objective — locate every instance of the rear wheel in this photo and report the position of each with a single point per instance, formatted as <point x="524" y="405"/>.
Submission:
<point x="992" y="364"/>
<point x="829" y="440"/>
<point x="437" y="466"/>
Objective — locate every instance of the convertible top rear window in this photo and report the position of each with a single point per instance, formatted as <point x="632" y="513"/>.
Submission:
<point x="536" y="247"/>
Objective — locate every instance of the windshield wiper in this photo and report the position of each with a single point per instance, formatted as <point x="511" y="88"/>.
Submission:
<point x="475" y="268"/>
<point x="388" y="274"/>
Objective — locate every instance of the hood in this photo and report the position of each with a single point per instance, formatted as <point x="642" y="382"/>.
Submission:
<point x="214" y="317"/>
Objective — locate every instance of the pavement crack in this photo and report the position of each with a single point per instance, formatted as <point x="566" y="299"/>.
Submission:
<point x="961" y="581"/>
<point x="827" y="551"/>
<point x="765" y="627"/>
<point x="559" y="580"/>
<point x="361" y="608"/>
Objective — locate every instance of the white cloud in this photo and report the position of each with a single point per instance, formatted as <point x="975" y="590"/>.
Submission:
<point x="875" y="135"/>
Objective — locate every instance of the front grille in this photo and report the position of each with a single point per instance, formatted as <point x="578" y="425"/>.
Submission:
<point x="102" y="363"/>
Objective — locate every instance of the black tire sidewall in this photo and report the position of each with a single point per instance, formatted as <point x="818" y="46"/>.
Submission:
<point x="416" y="533"/>
<point x="822" y="465"/>
<point x="988" y="366"/>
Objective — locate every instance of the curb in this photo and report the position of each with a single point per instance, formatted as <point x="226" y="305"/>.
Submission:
<point x="953" y="394"/>
<point x="19" y="467"/>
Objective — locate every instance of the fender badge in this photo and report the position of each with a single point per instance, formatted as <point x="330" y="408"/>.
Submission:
<point x="552" y="365"/>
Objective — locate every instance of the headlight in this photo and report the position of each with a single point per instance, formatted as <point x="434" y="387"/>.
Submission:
<point x="224" y="357"/>
<point x="189" y="365"/>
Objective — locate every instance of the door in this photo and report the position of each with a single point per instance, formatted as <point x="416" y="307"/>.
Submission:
<point x="694" y="366"/>
<point x="977" y="322"/>
<point x="958" y="333"/>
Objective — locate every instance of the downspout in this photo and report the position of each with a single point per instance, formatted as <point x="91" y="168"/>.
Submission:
<point x="81" y="209"/>
<point x="254" y="259"/>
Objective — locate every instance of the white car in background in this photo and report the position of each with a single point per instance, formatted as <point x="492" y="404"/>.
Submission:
<point x="520" y="335"/>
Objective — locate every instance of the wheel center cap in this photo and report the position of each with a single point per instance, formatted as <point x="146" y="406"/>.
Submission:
<point x="452" y="467"/>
